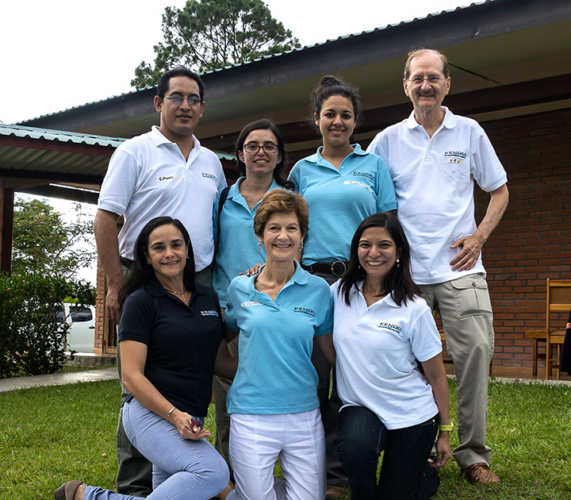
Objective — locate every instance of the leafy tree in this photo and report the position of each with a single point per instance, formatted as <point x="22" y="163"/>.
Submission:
<point x="44" y="243"/>
<point x="212" y="34"/>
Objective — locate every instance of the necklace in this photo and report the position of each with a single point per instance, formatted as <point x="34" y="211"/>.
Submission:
<point x="178" y="293"/>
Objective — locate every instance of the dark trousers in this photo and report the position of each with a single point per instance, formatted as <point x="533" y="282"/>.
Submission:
<point x="362" y="438"/>
<point x="134" y="473"/>
<point x="329" y="406"/>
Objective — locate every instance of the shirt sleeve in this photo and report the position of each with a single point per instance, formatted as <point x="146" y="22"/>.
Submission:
<point x="386" y="198"/>
<point x="325" y="325"/>
<point x="136" y="321"/>
<point x="294" y="177"/>
<point x="487" y="169"/>
<point x="120" y="183"/>
<point x="230" y="317"/>
<point x="424" y="336"/>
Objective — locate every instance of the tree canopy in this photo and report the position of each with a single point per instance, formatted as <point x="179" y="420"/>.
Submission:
<point x="44" y="243"/>
<point x="212" y="34"/>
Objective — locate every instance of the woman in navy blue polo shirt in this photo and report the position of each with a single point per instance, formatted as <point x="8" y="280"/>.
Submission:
<point x="273" y="401"/>
<point x="170" y="334"/>
<point x="342" y="185"/>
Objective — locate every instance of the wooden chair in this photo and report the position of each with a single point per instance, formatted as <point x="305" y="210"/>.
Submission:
<point x="558" y="301"/>
<point x="448" y="360"/>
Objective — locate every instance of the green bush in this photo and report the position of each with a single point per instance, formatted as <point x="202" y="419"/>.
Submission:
<point x="32" y="341"/>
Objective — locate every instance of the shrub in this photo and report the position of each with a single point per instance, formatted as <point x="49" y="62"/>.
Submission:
<point x="31" y="339"/>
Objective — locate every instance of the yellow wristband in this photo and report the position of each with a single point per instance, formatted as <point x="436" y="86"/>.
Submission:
<point x="446" y="427"/>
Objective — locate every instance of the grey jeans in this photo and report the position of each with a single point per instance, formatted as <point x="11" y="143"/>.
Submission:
<point x="466" y="311"/>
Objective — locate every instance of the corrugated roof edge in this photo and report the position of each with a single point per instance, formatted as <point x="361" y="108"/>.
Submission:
<point x="59" y="135"/>
<point x="305" y="47"/>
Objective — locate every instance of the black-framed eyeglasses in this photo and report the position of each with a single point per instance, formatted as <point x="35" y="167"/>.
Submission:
<point x="432" y="79"/>
<point x="254" y="147"/>
<point x="178" y="99"/>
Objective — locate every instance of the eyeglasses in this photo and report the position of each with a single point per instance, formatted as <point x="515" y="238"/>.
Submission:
<point x="432" y="79"/>
<point x="254" y="147"/>
<point x="178" y="99"/>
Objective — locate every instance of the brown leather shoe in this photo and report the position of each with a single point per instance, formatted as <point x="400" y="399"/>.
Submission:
<point x="334" y="493"/>
<point x="480" y="473"/>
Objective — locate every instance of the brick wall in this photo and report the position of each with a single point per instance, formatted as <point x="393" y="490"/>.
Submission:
<point x="533" y="241"/>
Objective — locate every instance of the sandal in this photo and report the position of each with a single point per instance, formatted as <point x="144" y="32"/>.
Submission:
<point x="67" y="490"/>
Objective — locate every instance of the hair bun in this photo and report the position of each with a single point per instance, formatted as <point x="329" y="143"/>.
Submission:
<point x="330" y="81"/>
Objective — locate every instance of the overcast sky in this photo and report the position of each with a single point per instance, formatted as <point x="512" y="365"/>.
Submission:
<point x="64" y="53"/>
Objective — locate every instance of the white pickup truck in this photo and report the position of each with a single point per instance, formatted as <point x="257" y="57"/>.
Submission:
<point x="81" y="334"/>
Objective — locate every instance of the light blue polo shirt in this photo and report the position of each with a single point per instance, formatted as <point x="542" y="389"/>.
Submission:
<point x="339" y="200"/>
<point x="275" y="374"/>
<point x="238" y="248"/>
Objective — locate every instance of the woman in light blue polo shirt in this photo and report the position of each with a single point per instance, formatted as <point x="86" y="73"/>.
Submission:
<point x="342" y="185"/>
<point x="261" y="158"/>
<point x="273" y="401"/>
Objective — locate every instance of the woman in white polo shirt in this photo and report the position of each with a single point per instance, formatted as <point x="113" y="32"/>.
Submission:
<point x="273" y="404"/>
<point x="382" y="330"/>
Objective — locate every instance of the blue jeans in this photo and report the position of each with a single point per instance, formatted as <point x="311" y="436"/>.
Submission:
<point x="362" y="437"/>
<point x="182" y="469"/>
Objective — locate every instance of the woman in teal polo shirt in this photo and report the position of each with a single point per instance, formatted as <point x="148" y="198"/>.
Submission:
<point x="342" y="185"/>
<point x="261" y="158"/>
<point x="273" y="401"/>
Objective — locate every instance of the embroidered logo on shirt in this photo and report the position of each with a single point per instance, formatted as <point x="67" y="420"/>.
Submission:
<point x="209" y="313"/>
<point x="304" y="310"/>
<point x="209" y="176"/>
<point x="250" y="304"/>
<point x="167" y="178"/>
<point x="458" y="157"/>
<point x="390" y="326"/>
<point x="364" y="174"/>
<point x="358" y="184"/>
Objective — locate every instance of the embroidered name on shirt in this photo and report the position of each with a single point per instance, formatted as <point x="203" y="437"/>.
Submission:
<point x="390" y="326"/>
<point x="304" y="310"/>
<point x="167" y="178"/>
<point x="457" y="157"/>
<point x="209" y="313"/>
<point x="250" y="304"/>
<point x="358" y="184"/>
<point x="364" y="174"/>
<point x="209" y="176"/>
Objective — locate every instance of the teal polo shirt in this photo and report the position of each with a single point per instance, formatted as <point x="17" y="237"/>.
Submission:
<point x="238" y="248"/>
<point x="339" y="200"/>
<point x="275" y="374"/>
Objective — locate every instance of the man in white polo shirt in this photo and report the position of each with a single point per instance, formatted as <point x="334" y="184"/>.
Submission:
<point x="165" y="172"/>
<point x="433" y="158"/>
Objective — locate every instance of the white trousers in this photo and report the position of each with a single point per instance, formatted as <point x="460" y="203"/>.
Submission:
<point x="298" y="439"/>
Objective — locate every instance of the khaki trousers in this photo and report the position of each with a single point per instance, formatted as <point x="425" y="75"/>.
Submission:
<point x="466" y="311"/>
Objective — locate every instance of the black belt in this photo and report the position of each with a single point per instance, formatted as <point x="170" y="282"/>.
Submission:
<point x="336" y="268"/>
<point x="126" y="262"/>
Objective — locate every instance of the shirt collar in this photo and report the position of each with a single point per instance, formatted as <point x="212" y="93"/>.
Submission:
<point x="299" y="277"/>
<point x="235" y="188"/>
<point x="155" y="288"/>
<point x="318" y="159"/>
<point x="387" y="299"/>
<point x="448" y="122"/>
<point x="159" y="139"/>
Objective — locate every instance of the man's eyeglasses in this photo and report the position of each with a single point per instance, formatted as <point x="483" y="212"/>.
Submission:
<point x="254" y="147"/>
<point x="432" y="79"/>
<point x="178" y="99"/>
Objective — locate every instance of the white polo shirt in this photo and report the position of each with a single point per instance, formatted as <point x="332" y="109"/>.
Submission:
<point x="376" y="348"/>
<point x="148" y="177"/>
<point x="434" y="184"/>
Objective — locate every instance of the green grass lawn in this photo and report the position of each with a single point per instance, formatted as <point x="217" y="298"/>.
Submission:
<point x="52" y="434"/>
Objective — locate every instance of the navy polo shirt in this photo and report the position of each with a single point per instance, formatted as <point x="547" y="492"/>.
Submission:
<point x="182" y="342"/>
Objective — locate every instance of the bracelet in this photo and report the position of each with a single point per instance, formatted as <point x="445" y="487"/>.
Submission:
<point x="446" y="427"/>
<point x="170" y="411"/>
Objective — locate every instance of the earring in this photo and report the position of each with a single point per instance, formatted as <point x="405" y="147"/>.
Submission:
<point x="148" y="263"/>
<point x="259" y="244"/>
<point x="301" y="246"/>
<point x="398" y="262"/>
<point x="187" y="257"/>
